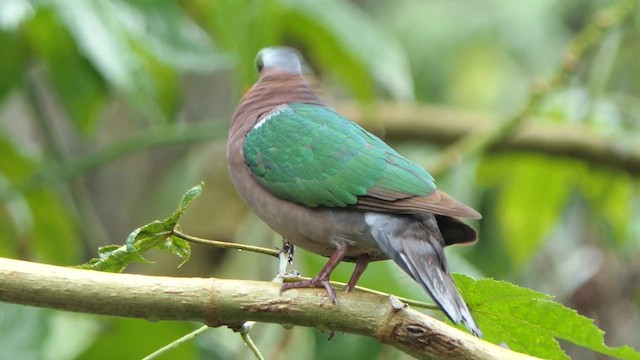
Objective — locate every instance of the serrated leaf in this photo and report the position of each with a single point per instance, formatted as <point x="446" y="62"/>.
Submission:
<point x="157" y="234"/>
<point x="531" y="322"/>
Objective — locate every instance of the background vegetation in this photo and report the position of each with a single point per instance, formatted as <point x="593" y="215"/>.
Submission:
<point x="111" y="109"/>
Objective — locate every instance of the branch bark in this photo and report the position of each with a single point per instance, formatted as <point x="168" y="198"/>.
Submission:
<point x="218" y="302"/>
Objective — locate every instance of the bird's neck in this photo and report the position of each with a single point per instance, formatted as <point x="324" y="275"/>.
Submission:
<point x="272" y="89"/>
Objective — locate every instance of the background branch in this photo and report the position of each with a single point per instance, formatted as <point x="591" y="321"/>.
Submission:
<point x="393" y="121"/>
<point x="445" y="126"/>
<point x="218" y="302"/>
<point x="584" y="42"/>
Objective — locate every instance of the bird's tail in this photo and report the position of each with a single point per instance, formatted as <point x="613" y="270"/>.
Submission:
<point x="416" y="245"/>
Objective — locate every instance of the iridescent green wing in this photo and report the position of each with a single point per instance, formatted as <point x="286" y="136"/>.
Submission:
<point x="311" y="155"/>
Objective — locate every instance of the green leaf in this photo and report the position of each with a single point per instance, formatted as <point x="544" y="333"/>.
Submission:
<point x="178" y="247"/>
<point x="138" y="47"/>
<point x="349" y="43"/>
<point x="186" y="201"/>
<point x="532" y="195"/>
<point x="100" y="36"/>
<point x="530" y="322"/>
<point x="157" y="234"/>
<point x="26" y="331"/>
<point x="15" y="219"/>
<point x="37" y="218"/>
<point x="11" y="62"/>
<point x="13" y="13"/>
<point x="255" y="25"/>
<point x="610" y="195"/>
<point x="170" y="36"/>
<point x="70" y="334"/>
<point x="78" y="86"/>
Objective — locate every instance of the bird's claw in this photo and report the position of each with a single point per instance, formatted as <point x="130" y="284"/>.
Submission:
<point x="312" y="283"/>
<point x="293" y="274"/>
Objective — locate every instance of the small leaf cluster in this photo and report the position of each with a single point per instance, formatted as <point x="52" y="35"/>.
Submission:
<point x="157" y="234"/>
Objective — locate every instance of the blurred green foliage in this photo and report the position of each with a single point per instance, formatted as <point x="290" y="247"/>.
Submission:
<point x="97" y="99"/>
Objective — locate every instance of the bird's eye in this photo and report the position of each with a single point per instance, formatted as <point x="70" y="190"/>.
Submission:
<point x="259" y="65"/>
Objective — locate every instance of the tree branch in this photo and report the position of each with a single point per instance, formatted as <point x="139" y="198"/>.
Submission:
<point x="218" y="302"/>
<point x="439" y="125"/>
<point x="445" y="126"/>
<point x="584" y="42"/>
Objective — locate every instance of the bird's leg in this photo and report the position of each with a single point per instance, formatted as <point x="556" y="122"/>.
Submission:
<point x="286" y="258"/>
<point x="288" y="248"/>
<point x="361" y="265"/>
<point x="323" y="277"/>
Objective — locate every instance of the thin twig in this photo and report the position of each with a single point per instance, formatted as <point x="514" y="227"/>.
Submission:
<point x="244" y="332"/>
<point x="246" y="327"/>
<point x="176" y="343"/>
<point x="162" y="136"/>
<point x="283" y="260"/>
<point x="226" y="244"/>
<point x="84" y="211"/>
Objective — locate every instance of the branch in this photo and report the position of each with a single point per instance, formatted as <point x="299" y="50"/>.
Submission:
<point x="218" y="302"/>
<point x="439" y="125"/>
<point x="587" y="40"/>
<point x="445" y="126"/>
<point x="161" y="136"/>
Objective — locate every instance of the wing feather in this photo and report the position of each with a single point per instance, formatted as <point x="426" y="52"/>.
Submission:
<point x="311" y="155"/>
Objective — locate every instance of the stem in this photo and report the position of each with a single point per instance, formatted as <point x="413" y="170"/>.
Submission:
<point x="247" y="339"/>
<point x="226" y="244"/>
<point x="176" y="343"/>
<point x="85" y="217"/>
<point x="162" y="136"/>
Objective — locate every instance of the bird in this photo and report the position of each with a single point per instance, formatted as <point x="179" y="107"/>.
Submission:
<point x="331" y="187"/>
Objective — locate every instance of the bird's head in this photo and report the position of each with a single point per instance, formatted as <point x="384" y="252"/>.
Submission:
<point x="280" y="58"/>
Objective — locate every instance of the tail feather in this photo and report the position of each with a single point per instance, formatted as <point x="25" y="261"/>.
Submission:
<point x="417" y="246"/>
<point x="432" y="273"/>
